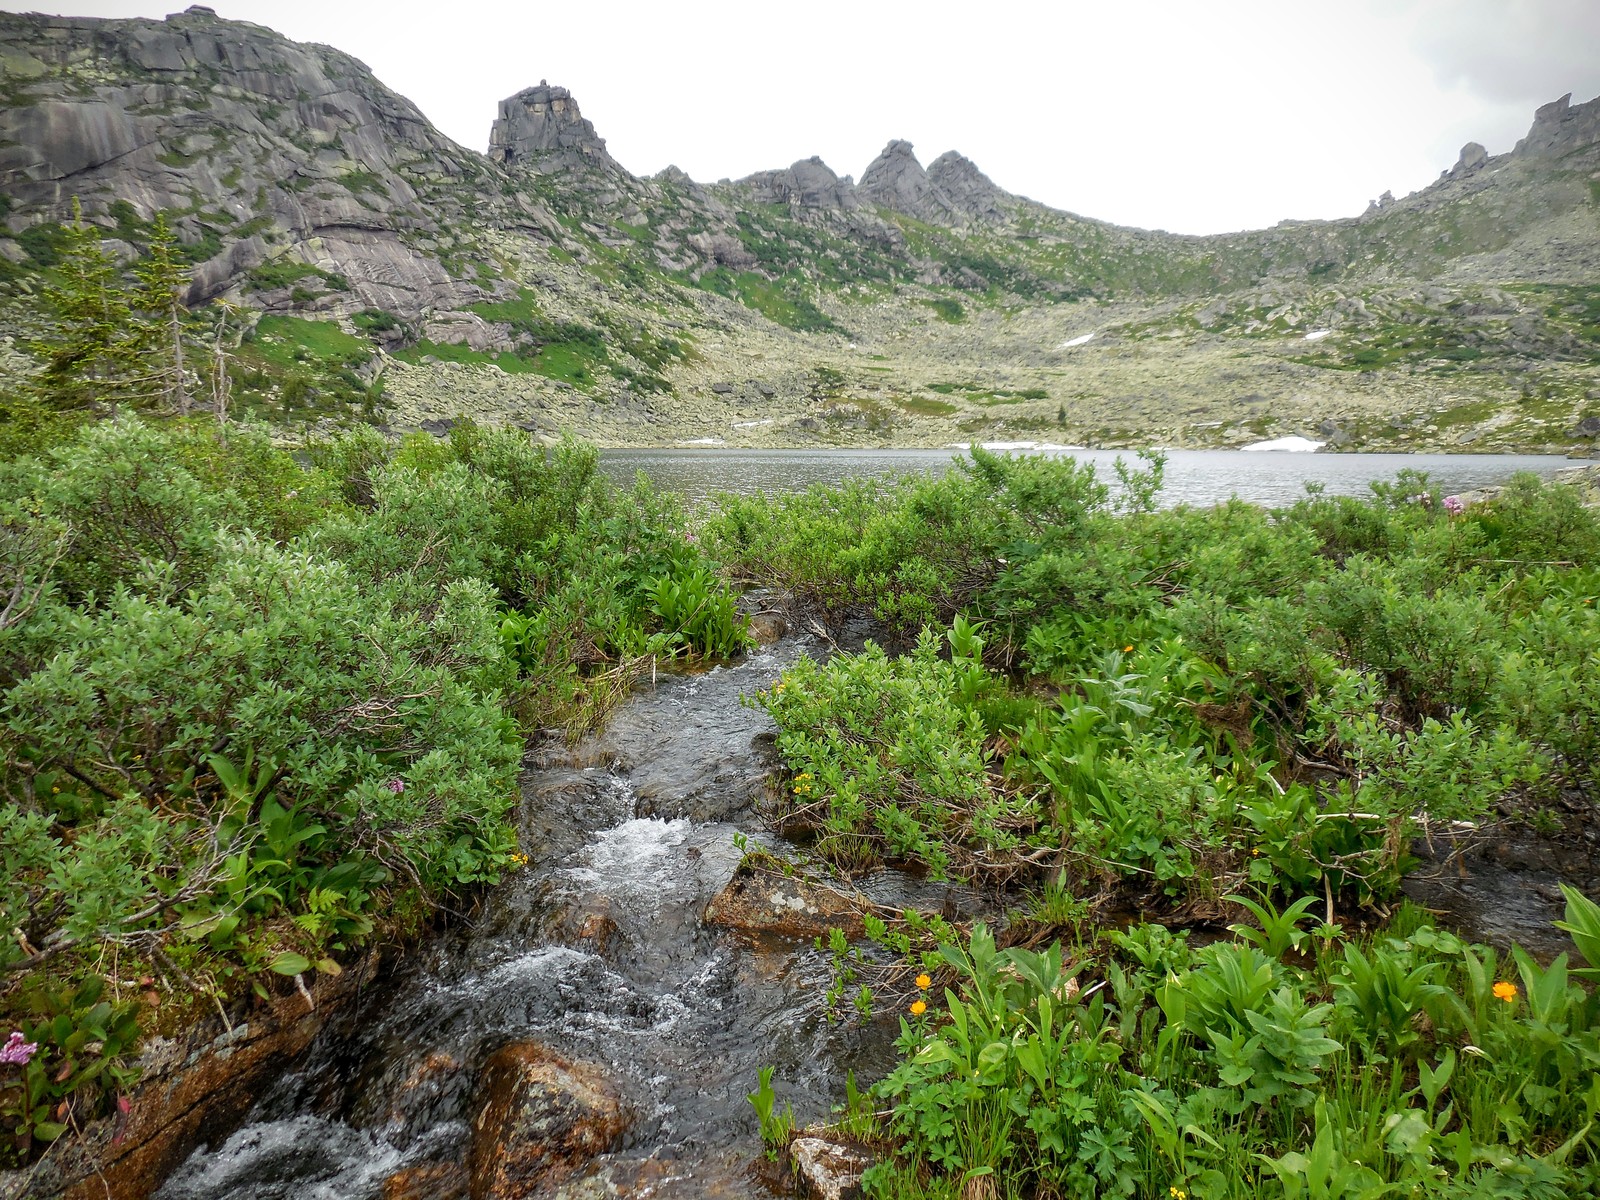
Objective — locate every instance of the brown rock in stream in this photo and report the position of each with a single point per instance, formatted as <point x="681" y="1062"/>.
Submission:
<point x="430" y="1181"/>
<point x="830" y="1171"/>
<point x="758" y="902"/>
<point x="543" y="1117"/>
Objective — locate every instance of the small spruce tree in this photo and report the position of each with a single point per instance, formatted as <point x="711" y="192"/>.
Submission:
<point x="162" y="284"/>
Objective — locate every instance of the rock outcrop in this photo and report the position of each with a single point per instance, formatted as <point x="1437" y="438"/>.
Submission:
<point x="966" y="189"/>
<point x="809" y="183"/>
<point x="1473" y="156"/>
<point x="542" y="128"/>
<point x="1561" y="127"/>
<point x="895" y="179"/>
<point x="260" y="147"/>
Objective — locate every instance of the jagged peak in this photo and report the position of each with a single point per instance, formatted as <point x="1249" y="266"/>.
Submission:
<point x="543" y="121"/>
<point x="809" y="183"/>
<point x="895" y="179"/>
<point x="966" y="188"/>
<point x="1561" y="126"/>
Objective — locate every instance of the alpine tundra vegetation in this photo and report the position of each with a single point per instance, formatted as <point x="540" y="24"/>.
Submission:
<point x="1101" y="818"/>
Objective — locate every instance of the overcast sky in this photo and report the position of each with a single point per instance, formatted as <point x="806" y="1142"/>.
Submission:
<point x="1197" y="116"/>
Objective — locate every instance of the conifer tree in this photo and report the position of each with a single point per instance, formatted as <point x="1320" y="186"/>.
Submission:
<point x="162" y="283"/>
<point x="113" y="343"/>
<point x="85" y="354"/>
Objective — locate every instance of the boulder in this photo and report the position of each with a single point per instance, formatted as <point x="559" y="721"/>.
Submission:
<point x="429" y="1181"/>
<point x="1473" y="156"/>
<point x="829" y="1170"/>
<point x="541" y="1118"/>
<point x="759" y="901"/>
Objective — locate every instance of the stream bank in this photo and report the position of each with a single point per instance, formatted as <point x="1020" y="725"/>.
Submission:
<point x="589" y="1004"/>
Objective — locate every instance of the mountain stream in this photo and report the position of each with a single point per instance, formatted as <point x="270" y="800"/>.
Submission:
<point x="596" y="950"/>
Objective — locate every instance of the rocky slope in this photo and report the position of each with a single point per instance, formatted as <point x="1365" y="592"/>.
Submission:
<point x="543" y="284"/>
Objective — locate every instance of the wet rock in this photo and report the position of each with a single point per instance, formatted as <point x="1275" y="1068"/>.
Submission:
<point x="829" y="1171"/>
<point x="758" y="901"/>
<point x="430" y="1181"/>
<point x="196" y="1088"/>
<point x="542" y="1118"/>
<point x="585" y="928"/>
<point x="767" y="627"/>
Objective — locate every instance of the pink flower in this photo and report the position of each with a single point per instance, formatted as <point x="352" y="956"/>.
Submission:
<point x="1455" y="505"/>
<point x="17" y="1052"/>
<point x="397" y="786"/>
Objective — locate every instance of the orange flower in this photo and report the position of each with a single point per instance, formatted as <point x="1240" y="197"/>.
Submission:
<point x="923" y="981"/>
<point x="1127" y="649"/>
<point x="1505" y="991"/>
<point x="918" y="1007"/>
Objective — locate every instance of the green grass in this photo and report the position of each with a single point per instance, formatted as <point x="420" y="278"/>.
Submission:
<point x="781" y="301"/>
<point x="278" y="338"/>
<point x="570" y="362"/>
<point x="283" y="273"/>
<point x="950" y="311"/>
<point x="295" y="364"/>
<point x="459" y="352"/>
<point x="363" y="181"/>
<point x="576" y="363"/>
<point x="923" y="407"/>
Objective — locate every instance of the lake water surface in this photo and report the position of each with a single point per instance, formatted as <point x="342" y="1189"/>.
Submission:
<point x="1192" y="476"/>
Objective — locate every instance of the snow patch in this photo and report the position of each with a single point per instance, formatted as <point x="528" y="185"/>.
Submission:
<point x="1077" y="341"/>
<point x="1316" y="335"/>
<point x="705" y="441"/>
<point x="1013" y="446"/>
<point x="753" y="424"/>
<point x="1293" y="445"/>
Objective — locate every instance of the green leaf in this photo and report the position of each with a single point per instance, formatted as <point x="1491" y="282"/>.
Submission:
<point x="290" y="963"/>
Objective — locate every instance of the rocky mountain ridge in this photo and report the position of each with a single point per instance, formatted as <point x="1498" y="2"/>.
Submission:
<point x="543" y="283"/>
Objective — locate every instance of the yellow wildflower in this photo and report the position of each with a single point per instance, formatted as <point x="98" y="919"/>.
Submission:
<point x="1177" y="1193"/>
<point x="923" y="981"/>
<point x="918" y="1007"/>
<point x="1505" y="991"/>
<point x="1127" y="649"/>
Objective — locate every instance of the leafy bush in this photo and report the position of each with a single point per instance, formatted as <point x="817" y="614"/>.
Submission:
<point x="1435" y="1071"/>
<point x="254" y="712"/>
<point x="1234" y="696"/>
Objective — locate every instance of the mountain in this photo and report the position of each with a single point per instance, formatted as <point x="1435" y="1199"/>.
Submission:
<point x="543" y="284"/>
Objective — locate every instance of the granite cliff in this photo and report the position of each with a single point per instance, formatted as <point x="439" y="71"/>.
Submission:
<point x="543" y="283"/>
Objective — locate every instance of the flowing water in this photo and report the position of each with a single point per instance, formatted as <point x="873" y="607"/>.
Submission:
<point x="596" y="949"/>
